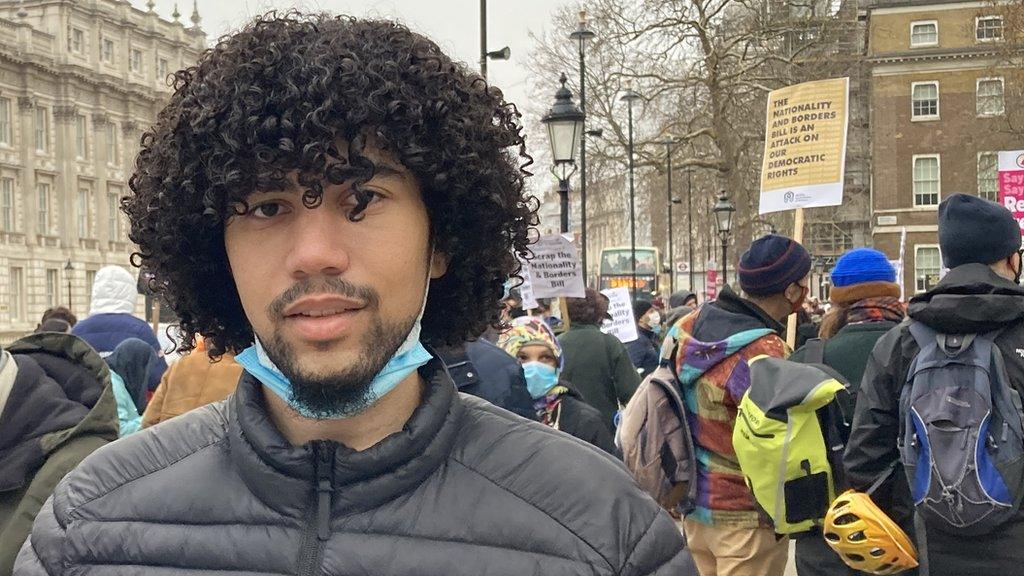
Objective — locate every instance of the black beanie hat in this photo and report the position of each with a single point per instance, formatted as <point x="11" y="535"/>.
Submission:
<point x="640" y="307"/>
<point x="976" y="231"/>
<point x="771" y="264"/>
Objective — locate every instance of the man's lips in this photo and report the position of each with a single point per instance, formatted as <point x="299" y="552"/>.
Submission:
<point x="322" y="318"/>
<point x="326" y="305"/>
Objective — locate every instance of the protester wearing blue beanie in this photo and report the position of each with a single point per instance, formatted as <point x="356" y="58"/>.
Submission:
<point x="862" y="273"/>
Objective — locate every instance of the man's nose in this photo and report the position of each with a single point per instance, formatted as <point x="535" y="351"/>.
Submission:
<point x="318" y="244"/>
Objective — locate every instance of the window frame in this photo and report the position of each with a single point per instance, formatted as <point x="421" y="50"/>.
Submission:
<point x="44" y="208"/>
<point x="81" y="137"/>
<point x="41" y="114"/>
<point x="1002" y="96"/>
<point x="995" y="175"/>
<point x="113" y="146"/>
<point x="139" y="69"/>
<point x="105" y="57"/>
<point x="84" y="206"/>
<point x="7" y="220"/>
<point x="163" y="67"/>
<point x="977" y="27"/>
<point x="52" y="296"/>
<point x="76" y="35"/>
<point x="938" y="98"/>
<point x="924" y="23"/>
<point x="6" y="123"/>
<point x="16" y="291"/>
<point x="917" y="260"/>
<point x="938" y="192"/>
<point x="113" y="219"/>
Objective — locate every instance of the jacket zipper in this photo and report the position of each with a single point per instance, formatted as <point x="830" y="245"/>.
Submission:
<point x="318" y="527"/>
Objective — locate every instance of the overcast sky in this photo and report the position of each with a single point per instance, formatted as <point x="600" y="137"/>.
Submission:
<point x="453" y="24"/>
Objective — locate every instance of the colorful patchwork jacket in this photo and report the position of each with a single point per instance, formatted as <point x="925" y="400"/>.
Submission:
<point x="709" y="350"/>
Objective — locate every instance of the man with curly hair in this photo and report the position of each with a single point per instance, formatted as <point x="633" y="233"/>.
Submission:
<point x="327" y="197"/>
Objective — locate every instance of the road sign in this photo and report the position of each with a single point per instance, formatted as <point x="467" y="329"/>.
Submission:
<point x="682" y="267"/>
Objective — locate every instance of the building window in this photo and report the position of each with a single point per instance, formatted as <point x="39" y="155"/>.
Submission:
<point x="988" y="176"/>
<point x="7" y="204"/>
<point x="52" y="288"/>
<point x="113" y="222"/>
<point x="43" y="191"/>
<point x="989" y="29"/>
<point x="112" y="157"/>
<point x="135" y="61"/>
<point x="42" y="128"/>
<point x="161" y="69"/>
<point x="927" y="183"/>
<point x="81" y="138"/>
<point x="5" y="121"/>
<point x="924" y="100"/>
<point x="107" y="51"/>
<point x="90" y="279"/>
<point x="76" y="41"/>
<point x="17" y="284"/>
<point x="924" y="34"/>
<point x="84" y="205"/>
<point x="990" y="96"/>
<point x="927" y="267"/>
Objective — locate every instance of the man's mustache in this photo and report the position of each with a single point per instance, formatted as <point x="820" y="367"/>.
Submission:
<point x="367" y="296"/>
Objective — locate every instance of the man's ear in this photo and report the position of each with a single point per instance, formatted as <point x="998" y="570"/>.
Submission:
<point x="438" y="265"/>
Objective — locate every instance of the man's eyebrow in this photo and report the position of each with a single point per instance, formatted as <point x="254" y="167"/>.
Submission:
<point x="386" y="170"/>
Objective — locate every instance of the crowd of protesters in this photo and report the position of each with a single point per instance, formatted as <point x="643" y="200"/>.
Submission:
<point x="358" y="397"/>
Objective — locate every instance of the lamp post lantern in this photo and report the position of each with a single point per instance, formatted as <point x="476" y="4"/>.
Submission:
<point x="68" y="268"/>
<point x="581" y="35"/>
<point x="565" y="130"/>
<point x="629" y="97"/>
<point x="724" y="210"/>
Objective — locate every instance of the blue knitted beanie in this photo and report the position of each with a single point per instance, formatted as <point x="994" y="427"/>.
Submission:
<point x="862" y="265"/>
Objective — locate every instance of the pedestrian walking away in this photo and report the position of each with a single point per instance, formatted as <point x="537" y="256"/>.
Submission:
<point x="975" y="314"/>
<point x="865" y="305"/>
<point x="332" y="197"/>
<point x="645" y="351"/>
<point x="727" y="533"/>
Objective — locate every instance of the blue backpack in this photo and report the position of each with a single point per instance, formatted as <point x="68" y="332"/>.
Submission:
<point x="962" y="433"/>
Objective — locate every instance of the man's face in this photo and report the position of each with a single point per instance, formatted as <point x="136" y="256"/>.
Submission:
<point x="330" y="299"/>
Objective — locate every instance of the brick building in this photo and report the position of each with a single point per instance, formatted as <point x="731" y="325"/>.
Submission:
<point x="79" y="82"/>
<point x="938" y="102"/>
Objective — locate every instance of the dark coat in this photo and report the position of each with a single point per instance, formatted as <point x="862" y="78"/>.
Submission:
<point x="464" y="488"/>
<point x="483" y="370"/>
<point x="579" y="419"/>
<point x="599" y="368"/>
<point x="970" y="299"/>
<point x="60" y="409"/>
<point x="849" y="349"/>
<point x="105" y="331"/>
<point x="644" y="352"/>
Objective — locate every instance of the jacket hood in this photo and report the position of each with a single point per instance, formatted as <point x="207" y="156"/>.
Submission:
<point x="114" y="292"/>
<point x="61" y="391"/>
<point x="969" y="299"/>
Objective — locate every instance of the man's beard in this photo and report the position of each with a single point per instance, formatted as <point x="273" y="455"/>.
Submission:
<point x="334" y="391"/>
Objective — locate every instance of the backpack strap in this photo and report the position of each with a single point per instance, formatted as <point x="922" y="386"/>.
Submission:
<point x="815" y="351"/>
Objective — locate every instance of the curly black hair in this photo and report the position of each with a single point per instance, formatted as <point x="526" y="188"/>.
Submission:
<point x="271" y="100"/>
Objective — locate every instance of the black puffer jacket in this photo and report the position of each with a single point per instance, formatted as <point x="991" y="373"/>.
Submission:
<point x="970" y="299"/>
<point x="465" y="488"/>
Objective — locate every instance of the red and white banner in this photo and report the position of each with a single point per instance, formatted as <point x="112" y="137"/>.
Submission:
<point x="711" y="281"/>
<point x="1011" y="184"/>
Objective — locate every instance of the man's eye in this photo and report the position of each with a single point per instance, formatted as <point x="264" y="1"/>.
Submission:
<point x="267" y="210"/>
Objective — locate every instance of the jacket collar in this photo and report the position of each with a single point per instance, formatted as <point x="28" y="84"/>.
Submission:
<point x="970" y="298"/>
<point x="731" y="314"/>
<point x="282" y="475"/>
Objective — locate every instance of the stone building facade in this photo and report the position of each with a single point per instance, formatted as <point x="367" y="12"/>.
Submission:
<point x="939" y="96"/>
<point x="79" y="82"/>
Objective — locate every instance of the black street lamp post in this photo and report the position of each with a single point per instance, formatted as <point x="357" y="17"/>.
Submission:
<point x="68" y="268"/>
<point x="629" y="97"/>
<point x="502" y="54"/>
<point x="689" y="223"/>
<point x="565" y="130"/>
<point x="581" y="35"/>
<point x="671" y="239"/>
<point x="724" y="210"/>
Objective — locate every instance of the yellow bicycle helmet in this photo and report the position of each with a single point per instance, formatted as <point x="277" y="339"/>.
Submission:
<point x="865" y="538"/>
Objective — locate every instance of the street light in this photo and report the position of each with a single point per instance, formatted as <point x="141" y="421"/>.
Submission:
<point x="689" y="223"/>
<point x="671" y="244"/>
<point x="68" y="268"/>
<point x="724" y="209"/>
<point x="502" y="54"/>
<point x="565" y="130"/>
<point x="581" y="35"/>
<point x="629" y="97"/>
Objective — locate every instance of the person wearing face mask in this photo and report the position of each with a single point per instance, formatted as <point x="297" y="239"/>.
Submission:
<point x="644" y="351"/>
<point x="557" y="404"/>
<point x="980" y="243"/>
<point x="727" y="533"/>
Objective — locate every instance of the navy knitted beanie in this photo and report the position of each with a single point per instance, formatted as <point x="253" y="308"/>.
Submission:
<point x="976" y="231"/>
<point x="771" y="264"/>
<point x="862" y="265"/>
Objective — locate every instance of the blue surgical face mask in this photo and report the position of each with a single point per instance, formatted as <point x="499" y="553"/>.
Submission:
<point x="540" y="378"/>
<point x="406" y="360"/>
<point x="656" y="328"/>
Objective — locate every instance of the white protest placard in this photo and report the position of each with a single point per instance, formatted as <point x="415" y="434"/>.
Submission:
<point x="620" y="307"/>
<point x="555" y="269"/>
<point x="805" y="146"/>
